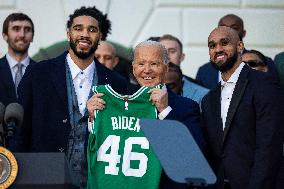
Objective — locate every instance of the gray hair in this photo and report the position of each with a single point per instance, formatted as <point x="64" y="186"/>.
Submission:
<point x="153" y="43"/>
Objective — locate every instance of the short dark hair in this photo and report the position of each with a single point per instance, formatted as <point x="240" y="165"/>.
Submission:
<point x="175" y="68"/>
<point x="173" y="38"/>
<point x="106" y="27"/>
<point x="154" y="38"/>
<point x="238" y="20"/>
<point x="257" y="53"/>
<point x="16" y="17"/>
<point x="104" y="23"/>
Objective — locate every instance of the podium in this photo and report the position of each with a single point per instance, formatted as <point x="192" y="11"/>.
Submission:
<point x="42" y="171"/>
<point x="179" y="155"/>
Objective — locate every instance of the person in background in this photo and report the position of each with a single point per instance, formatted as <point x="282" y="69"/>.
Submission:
<point x="106" y="55"/>
<point x="279" y="63"/>
<point x="18" y="32"/>
<point x="242" y="118"/>
<point x="54" y="94"/>
<point x="255" y="60"/>
<point x="173" y="78"/>
<point x="175" y="52"/>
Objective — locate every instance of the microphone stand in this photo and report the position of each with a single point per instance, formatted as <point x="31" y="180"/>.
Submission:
<point x="2" y="136"/>
<point x="2" y="140"/>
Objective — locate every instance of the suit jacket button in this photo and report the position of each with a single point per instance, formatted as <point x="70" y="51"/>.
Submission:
<point x="64" y="121"/>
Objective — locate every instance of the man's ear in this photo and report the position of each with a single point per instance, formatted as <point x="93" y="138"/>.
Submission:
<point x="5" y="37"/>
<point x="244" y="33"/>
<point x="33" y="38"/>
<point x="68" y="35"/>
<point x="182" y="57"/>
<point x="116" y="60"/>
<point x="240" y="47"/>
<point x="167" y="67"/>
<point x="133" y="69"/>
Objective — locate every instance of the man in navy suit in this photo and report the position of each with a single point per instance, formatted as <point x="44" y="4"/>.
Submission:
<point x="242" y="118"/>
<point x="149" y="68"/>
<point x="18" y="32"/>
<point x="207" y="75"/>
<point x="54" y="94"/>
<point x="190" y="88"/>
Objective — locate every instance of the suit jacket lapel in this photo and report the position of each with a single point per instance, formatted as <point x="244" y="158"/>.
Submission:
<point x="236" y="98"/>
<point x="216" y="104"/>
<point x="6" y="74"/>
<point x="58" y="76"/>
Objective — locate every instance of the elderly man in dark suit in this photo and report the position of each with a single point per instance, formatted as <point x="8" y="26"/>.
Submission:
<point x="18" y="32"/>
<point x="242" y="118"/>
<point x="149" y="68"/>
<point x="54" y="94"/>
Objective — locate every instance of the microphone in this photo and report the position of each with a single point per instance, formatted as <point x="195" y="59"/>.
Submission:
<point x="2" y="111"/>
<point x="13" y="118"/>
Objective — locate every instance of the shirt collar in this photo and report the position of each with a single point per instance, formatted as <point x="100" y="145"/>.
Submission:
<point x="12" y="62"/>
<point x="75" y="70"/>
<point x="234" y="77"/>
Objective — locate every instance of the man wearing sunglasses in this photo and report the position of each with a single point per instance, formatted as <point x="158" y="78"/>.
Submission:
<point x="255" y="60"/>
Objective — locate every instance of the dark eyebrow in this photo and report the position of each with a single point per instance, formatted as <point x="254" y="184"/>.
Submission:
<point x="225" y="38"/>
<point x="211" y="42"/>
<point x="77" y="25"/>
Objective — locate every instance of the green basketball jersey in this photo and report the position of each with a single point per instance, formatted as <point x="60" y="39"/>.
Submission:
<point x="119" y="155"/>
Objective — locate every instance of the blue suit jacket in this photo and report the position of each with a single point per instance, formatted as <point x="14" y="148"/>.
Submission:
<point x="7" y="85"/>
<point x="248" y="151"/>
<point x="207" y="76"/>
<point x="43" y="93"/>
<point x="193" y="91"/>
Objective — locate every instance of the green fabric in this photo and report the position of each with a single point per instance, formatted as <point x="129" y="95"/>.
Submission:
<point x="279" y="63"/>
<point x="118" y="153"/>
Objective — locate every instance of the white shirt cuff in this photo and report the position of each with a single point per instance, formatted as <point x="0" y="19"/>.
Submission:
<point x="163" y="114"/>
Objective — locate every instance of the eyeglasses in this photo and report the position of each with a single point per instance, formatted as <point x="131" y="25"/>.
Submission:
<point x="254" y="63"/>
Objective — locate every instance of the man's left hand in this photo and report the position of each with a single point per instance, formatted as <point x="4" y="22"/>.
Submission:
<point x="159" y="98"/>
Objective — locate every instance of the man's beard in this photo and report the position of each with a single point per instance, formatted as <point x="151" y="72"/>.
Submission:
<point x="81" y="54"/>
<point x="18" y="50"/>
<point x="226" y="65"/>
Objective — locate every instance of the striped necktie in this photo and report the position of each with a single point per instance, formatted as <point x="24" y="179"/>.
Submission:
<point x="19" y="75"/>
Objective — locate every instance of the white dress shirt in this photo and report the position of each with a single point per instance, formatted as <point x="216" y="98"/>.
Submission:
<point x="227" y="90"/>
<point x="13" y="65"/>
<point x="82" y="82"/>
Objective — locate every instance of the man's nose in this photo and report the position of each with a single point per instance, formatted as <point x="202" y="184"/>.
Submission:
<point x="21" y="32"/>
<point x="219" y="48"/>
<point x="84" y="33"/>
<point x="147" y="68"/>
